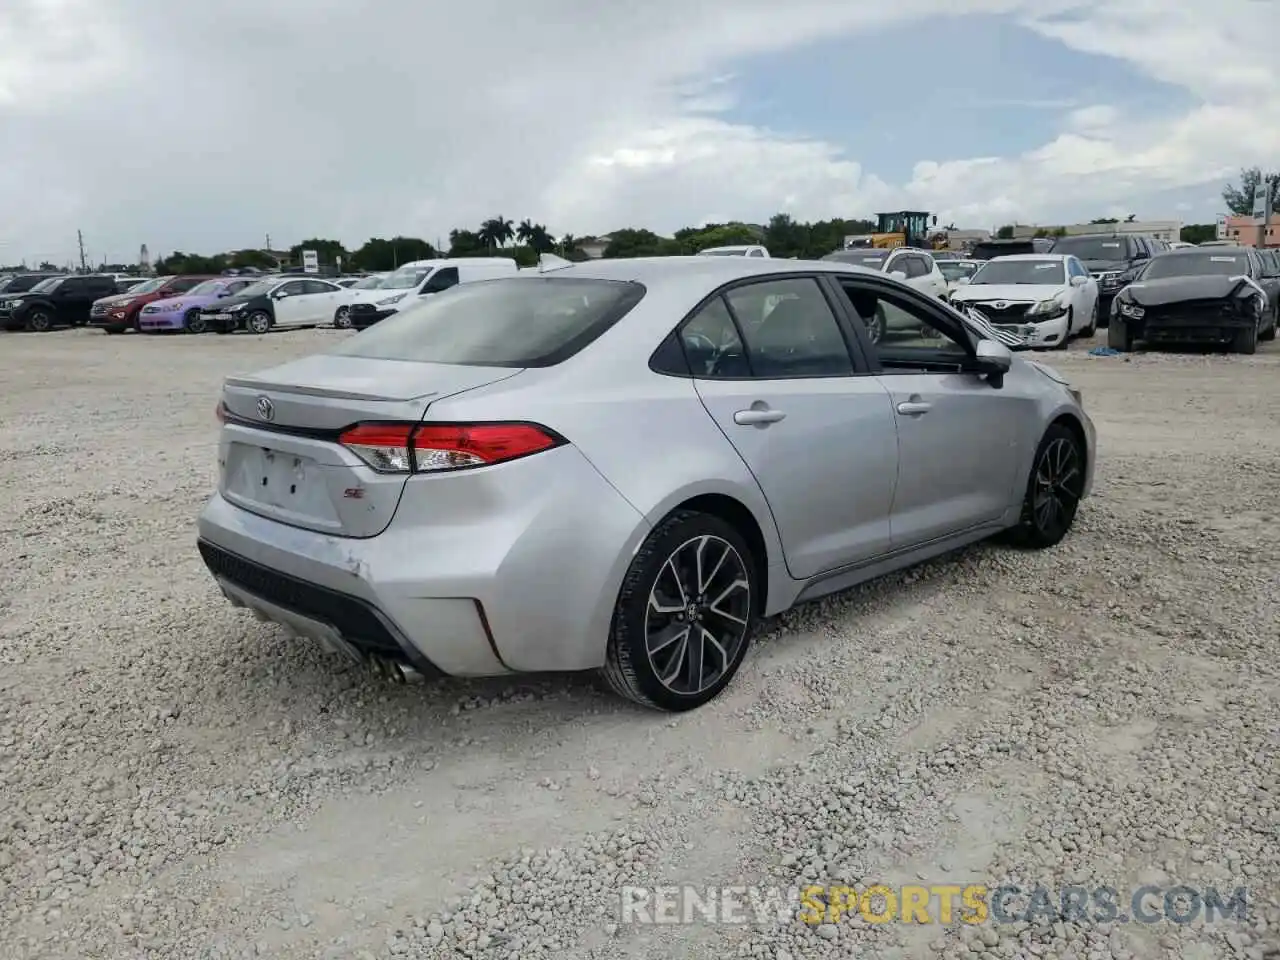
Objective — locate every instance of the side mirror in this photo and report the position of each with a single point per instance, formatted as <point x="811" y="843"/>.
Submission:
<point x="993" y="357"/>
<point x="1078" y="281"/>
<point x="279" y="295"/>
<point x="898" y="275"/>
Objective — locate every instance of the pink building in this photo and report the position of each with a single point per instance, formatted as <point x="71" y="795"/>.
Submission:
<point x="1244" y="231"/>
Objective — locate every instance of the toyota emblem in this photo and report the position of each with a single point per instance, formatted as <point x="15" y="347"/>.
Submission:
<point x="266" y="409"/>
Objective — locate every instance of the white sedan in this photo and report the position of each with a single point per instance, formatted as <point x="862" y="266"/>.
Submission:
<point x="1043" y="299"/>
<point x="912" y="266"/>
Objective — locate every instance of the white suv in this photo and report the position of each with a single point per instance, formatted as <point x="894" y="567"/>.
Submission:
<point x="914" y="267"/>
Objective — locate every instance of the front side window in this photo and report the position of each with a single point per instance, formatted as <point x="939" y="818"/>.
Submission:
<point x="509" y="322"/>
<point x="442" y="279"/>
<point x="789" y="330"/>
<point x="293" y="288"/>
<point x="902" y="333"/>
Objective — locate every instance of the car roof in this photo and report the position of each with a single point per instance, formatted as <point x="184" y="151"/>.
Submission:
<point x="711" y="271"/>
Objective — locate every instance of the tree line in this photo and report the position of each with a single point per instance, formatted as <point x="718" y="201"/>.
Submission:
<point x="525" y="241"/>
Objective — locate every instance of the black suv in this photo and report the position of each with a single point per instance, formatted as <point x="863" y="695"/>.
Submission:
<point x="1113" y="259"/>
<point x="21" y="283"/>
<point x="59" y="301"/>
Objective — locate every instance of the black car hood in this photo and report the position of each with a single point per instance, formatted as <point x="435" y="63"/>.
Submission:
<point x="226" y="303"/>
<point x="1105" y="266"/>
<point x="1155" y="293"/>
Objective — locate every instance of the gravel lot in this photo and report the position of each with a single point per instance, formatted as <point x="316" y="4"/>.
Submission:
<point x="178" y="780"/>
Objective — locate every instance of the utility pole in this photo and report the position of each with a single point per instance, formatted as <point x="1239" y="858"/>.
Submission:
<point x="268" y="243"/>
<point x="84" y="267"/>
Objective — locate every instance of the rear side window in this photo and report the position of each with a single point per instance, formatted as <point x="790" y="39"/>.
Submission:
<point x="511" y="322"/>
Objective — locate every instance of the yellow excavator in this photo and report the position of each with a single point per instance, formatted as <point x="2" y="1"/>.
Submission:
<point x="907" y="228"/>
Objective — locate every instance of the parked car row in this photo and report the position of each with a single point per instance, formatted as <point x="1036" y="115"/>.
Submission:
<point x="200" y="303"/>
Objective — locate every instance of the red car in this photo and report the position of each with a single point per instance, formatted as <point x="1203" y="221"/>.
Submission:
<point x="118" y="313"/>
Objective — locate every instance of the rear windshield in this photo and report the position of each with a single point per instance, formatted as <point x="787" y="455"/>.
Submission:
<point x="986" y="251"/>
<point x="511" y="322"/>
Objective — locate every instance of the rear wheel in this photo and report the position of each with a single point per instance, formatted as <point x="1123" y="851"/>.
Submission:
<point x="40" y="321"/>
<point x="684" y="616"/>
<point x="194" y="322"/>
<point x="1054" y="490"/>
<point x="1118" y="335"/>
<point x="342" y="319"/>
<point x="258" y="322"/>
<point x="1245" y="341"/>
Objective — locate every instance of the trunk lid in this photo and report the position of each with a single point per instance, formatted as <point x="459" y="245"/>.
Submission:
<point x="279" y="455"/>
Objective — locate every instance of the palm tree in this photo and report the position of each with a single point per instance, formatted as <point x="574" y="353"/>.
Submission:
<point x="568" y="245"/>
<point x="525" y="232"/>
<point x="497" y="231"/>
<point x="540" y="239"/>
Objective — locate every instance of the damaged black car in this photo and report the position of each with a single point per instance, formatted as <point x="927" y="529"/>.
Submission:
<point x="1215" y="295"/>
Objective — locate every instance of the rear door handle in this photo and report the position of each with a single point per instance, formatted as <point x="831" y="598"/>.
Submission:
<point x="914" y="408"/>
<point x="754" y="417"/>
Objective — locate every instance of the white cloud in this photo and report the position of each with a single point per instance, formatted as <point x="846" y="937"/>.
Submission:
<point x="207" y="127"/>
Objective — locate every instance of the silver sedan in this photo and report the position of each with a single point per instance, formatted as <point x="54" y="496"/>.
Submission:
<point x="624" y="464"/>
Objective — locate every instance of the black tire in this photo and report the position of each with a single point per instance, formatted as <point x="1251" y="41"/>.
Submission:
<point x="194" y="322"/>
<point x="1092" y="328"/>
<point x="1066" y="337"/>
<point x="258" y="322"/>
<point x="636" y="668"/>
<point x="1270" y="333"/>
<point x="113" y="329"/>
<point x="1245" y="341"/>
<point x="342" y="318"/>
<point x="1118" y="336"/>
<point x="40" y="321"/>
<point x="1053" y="490"/>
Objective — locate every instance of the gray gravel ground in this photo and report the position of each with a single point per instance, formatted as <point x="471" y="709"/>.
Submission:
<point x="178" y="780"/>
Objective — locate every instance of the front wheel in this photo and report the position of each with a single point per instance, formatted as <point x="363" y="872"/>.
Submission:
<point x="1066" y="334"/>
<point x="684" y="615"/>
<point x="1054" y="490"/>
<point x="1118" y="335"/>
<point x="1245" y="341"/>
<point x="40" y="321"/>
<point x="194" y="322"/>
<point x="258" y="322"/>
<point x="342" y="319"/>
<point x="1270" y="332"/>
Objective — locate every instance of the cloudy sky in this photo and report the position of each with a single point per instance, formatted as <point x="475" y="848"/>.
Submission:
<point x="207" y="126"/>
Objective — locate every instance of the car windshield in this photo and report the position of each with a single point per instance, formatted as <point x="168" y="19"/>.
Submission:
<point x="368" y="283"/>
<point x="405" y="278"/>
<point x="1092" y="248"/>
<point x="1196" y="265"/>
<point x="512" y="322"/>
<point x="149" y="286"/>
<point x="955" y="269"/>
<point x="207" y="289"/>
<point x="44" y="286"/>
<point x="1019" y="272"/>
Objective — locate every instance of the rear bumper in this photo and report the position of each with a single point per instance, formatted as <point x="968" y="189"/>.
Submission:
<point x="518" y="572"/>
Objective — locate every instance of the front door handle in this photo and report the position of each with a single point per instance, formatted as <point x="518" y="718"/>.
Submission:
<point x="757" y="417"/>
<point x="914" y="408"/>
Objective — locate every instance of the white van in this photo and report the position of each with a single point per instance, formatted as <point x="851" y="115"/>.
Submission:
<point x="421" y="278"/>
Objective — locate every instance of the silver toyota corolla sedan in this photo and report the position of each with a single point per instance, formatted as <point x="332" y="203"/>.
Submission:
<point x="622" y="465"/>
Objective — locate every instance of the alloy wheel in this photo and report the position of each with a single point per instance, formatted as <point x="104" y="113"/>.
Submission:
<point x="258" y="323"/>
<point x="196" y="322"/>
<point x="342" y="319"/>
<point x="1059" y="483"/>
<point x="697" y="615"/>
<point x="40" y="321"/>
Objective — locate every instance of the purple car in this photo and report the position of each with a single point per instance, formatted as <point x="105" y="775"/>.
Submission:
<point x="183" y="313"/>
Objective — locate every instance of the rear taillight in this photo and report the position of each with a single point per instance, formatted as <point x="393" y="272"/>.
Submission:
<point x="437" y="447"/>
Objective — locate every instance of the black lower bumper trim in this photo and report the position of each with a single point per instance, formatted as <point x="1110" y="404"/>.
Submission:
<point x="357" y="621"/>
